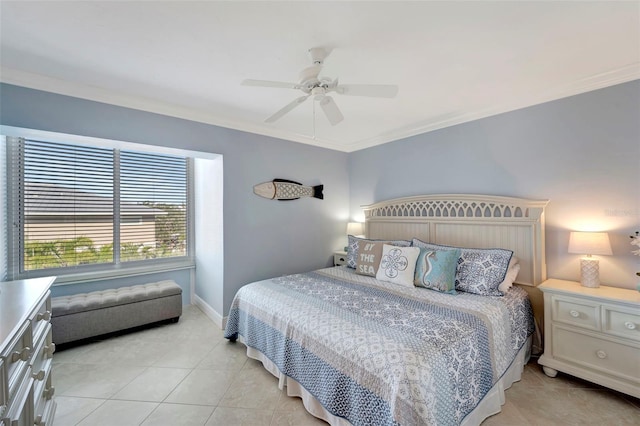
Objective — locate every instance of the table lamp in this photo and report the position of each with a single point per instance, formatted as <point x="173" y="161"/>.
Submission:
<point x="589" y="243"/>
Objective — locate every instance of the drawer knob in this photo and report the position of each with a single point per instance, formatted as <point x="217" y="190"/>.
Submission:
<point x="43" y="316"/>
<point x="22" y="355"/>
<point x="601" y="354"/>
<point x="38" y="420"/>
<point x="630" y="325"/>
<point x="48" y="393"/>
<point x="574" y="313"/>
<point x="39" y="375"/>
<point x="49" y="350"/>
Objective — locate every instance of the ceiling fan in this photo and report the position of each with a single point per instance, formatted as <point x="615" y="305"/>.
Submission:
<point x="311" y="84"/>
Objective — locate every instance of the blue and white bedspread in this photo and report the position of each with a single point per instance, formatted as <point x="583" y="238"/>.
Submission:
<point x="378" y="353"/>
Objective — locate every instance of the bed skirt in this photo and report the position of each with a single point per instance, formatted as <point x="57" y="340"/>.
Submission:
<point x="491" y="403"/>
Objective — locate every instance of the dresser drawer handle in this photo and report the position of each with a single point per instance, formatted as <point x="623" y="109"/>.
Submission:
<point x="630" y="325"/>
<point x="48" y="393"/>
<point x="23" y="355"/>
<point x="601" y="354"/>
<point x="38" y="421"/>
<point x="44" y="316"/>
<point x="574" y="313"/>
<point x="39" y="375"/>
<point x="49" y="350"/>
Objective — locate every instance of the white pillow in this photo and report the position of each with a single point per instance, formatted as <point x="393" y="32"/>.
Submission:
<point x="509" y="278"/>
<point x="398" y="265"/>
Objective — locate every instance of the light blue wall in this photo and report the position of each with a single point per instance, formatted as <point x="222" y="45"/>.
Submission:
<point x="582" y="153"/>
<point x="262" y="238"/>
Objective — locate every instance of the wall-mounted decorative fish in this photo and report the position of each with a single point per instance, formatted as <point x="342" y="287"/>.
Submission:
<point x="283" y="190"/>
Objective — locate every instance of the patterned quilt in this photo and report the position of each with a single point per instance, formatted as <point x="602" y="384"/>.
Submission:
<point x="378" y="353"/>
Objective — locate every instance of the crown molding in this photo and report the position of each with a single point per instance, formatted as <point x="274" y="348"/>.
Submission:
<point x="40" y="82"/>
<point x="621" y="75"/>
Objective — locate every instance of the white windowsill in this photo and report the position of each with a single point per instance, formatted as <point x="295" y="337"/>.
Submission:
<point x="123" y="272"/>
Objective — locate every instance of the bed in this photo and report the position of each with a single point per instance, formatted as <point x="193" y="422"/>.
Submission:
<point x="362" y="350"/>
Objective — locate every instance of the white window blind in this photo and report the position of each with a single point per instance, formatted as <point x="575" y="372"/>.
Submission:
<point x="153" y="206"/>
<point x="78" y="208"/>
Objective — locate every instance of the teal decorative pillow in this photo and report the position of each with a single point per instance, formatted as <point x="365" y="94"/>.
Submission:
<point x="436" y="269"/>
<point x="398" y="265"/>
<point x="479" y="271"/>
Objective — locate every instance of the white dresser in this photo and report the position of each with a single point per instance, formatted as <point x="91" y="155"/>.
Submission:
<point x="592" y="333"/>
<point x="26" y="351"/>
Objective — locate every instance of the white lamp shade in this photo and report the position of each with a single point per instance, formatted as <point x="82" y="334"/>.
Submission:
<point x="355" y="228"/>
<point x="590" y="243"/>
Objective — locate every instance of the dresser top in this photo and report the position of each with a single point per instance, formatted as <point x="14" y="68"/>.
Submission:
<point x="18" y="299"/>
<point x="601" y="293"/>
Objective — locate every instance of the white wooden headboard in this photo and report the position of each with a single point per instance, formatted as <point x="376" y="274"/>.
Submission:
<point x="466" y="220"/>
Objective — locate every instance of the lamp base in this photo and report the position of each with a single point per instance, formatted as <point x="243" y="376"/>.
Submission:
<point x="589" y="273"/>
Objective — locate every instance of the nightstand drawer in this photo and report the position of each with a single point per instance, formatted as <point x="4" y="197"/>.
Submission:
<point x="577" y="312"/>
<point x="340" y="258"/>
<point x="621" y="322"/>
<point x="597" y="354"/>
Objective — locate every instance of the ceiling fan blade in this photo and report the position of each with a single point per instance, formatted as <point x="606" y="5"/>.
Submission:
<point x="331" y="110"/>
<point x="266" y="83"/>
<point x="288" y="107"/>
<point x="372" y="90"/>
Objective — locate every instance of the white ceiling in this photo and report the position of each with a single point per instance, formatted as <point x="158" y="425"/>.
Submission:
<point x="453" y="61"/>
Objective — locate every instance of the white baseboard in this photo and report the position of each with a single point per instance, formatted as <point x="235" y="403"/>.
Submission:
<point x="211" y="313"/>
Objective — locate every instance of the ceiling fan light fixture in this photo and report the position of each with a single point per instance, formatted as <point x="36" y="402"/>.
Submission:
<point x="318" y="92"/>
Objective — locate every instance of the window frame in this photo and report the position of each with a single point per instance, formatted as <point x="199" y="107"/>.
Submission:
<point x="94" y="272"/>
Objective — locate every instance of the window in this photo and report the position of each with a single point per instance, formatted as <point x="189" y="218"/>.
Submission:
<point x="77" y="208"/>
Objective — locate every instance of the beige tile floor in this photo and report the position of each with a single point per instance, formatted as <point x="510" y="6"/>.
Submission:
<point x="188" y="374"/>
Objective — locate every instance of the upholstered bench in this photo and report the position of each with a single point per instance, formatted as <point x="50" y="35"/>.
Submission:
<point x="85" y="315"/>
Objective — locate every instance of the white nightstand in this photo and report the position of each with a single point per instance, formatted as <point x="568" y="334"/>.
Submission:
<point x="339" y="258"/>
<point x="592" y="333"/>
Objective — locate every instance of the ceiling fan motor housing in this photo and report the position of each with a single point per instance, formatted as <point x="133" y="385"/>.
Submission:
<point x="309" y="75"/>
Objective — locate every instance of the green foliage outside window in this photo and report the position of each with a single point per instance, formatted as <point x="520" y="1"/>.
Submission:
<point x="62" y="253"/>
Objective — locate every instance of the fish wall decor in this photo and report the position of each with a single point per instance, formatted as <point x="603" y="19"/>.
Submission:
<point x="284" y="190"/>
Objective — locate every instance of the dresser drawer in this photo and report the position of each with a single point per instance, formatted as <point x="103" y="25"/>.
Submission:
<point x="622" y="322"/>
<point x="339" y="259"/>
<point x="608" y="357"/>
<point x="16" y="358"/>
<point x="577" y="312"/>
<point x="20" y="411"/>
